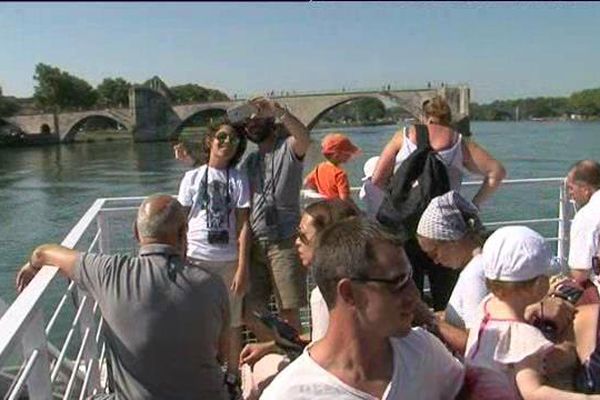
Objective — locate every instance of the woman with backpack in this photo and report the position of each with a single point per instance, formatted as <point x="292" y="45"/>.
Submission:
<point x="457" y="153"/>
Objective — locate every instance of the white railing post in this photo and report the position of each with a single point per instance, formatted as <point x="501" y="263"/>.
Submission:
<point x="104" y="229"/>
<point x="34" y="338"/>
<point x="564" y="225"/>
<point x="90" y="350"/>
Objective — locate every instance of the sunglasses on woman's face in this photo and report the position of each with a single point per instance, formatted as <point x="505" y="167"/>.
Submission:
<point x="303" y="238"/>
<point x="222" y="137"/>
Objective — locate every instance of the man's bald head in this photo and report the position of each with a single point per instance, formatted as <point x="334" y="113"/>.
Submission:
<point x="160" y="217"/>
<point x="583" y="181"/>
<point x="587" y="172"/>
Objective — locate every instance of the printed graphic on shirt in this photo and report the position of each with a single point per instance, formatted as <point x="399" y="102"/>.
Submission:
<point x="216" y="212"/>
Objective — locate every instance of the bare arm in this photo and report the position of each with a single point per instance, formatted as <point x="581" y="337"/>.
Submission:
<point x="585" y="329"/>
<point x="61" y="257"/>
<point x="531" y="387"/>
<point x="240" y="280"/>
<point x="478" y="161"/>
<point x="554" y="309"/>
<point x="454" y="337"/>
<point x="253" y="352"/>
<point x="387" y="159"/>
<point x="300" y="136"/>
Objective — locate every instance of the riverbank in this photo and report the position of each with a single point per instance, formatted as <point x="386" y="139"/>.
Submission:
<point x="49" y="139"/>
<point x="27" y="140"/>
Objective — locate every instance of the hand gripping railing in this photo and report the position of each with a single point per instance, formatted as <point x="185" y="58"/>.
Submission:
<point x="43" y="364"/>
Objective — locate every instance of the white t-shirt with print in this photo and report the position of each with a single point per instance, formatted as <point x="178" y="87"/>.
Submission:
<point x="423" y="370"/>
<point x="470" y="289"/>
<point x="211" y="215"/>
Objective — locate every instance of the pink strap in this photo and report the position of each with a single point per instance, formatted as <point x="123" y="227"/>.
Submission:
<point x="486" y="318"/>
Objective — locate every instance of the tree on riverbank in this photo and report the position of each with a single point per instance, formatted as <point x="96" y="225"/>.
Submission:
<point x="192" y="93"/>
<point x="113" y="92"/>
<point x="60" y="90"/>
<point x="585" y="103"/>
<point x="360" y="110"/>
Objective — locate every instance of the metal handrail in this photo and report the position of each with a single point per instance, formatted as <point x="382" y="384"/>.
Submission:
<point x="18" y="319"/>
<point x="24" y="375"/>
<point x="67" y="342"/>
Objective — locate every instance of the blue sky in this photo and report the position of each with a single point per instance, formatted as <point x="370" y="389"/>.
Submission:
<point x="502" y="50"/>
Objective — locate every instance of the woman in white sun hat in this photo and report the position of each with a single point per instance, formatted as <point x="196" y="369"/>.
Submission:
<point x="370" y="194"/>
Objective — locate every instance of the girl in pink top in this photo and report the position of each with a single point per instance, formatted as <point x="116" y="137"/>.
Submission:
<point x="505" y="355"/>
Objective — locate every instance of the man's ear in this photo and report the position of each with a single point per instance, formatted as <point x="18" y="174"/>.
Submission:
<point x="345" y="291"/>
<point x="590" y="190"/>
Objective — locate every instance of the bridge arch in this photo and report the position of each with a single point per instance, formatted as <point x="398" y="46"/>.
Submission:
<point x="381" y="99"/>
<point x="71" y="131"/>
<point x="210" y="111"/>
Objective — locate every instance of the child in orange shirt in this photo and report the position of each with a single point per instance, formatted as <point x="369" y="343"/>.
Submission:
<point x="328" y="178"/>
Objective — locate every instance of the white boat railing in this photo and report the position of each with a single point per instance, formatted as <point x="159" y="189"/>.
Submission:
<point x="74" y="369"/>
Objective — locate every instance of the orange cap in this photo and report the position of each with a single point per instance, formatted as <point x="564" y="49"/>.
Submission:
<point x="339" y="147"/>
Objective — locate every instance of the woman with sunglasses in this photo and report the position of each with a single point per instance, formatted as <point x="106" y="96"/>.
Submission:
<point x="217" y="196"/>
<point x="316" y="217"/>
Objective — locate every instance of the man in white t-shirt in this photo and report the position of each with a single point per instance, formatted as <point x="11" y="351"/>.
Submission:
<point x="370" y="350"/>
<point x="583" y="182"/>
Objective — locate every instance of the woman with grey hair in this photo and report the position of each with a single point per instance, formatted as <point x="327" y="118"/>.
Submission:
<point x="451" y="234"/>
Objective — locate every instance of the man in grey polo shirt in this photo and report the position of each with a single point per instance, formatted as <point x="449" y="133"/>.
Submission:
<point x="275" y="176"/>
<point x="166" y="322"/>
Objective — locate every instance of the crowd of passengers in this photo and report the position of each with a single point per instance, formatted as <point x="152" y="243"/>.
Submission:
<point x="496" y="325"/>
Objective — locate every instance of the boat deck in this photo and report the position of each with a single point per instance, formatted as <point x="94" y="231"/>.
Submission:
<point x="52" y="332"/>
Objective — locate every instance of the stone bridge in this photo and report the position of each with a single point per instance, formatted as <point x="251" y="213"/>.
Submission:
<point x="66" y="125"/>
<point x="151" y="116"/>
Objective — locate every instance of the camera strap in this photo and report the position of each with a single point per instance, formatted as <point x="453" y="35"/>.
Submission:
<point x="264" y="183"/>
<point x="205" y="197"/>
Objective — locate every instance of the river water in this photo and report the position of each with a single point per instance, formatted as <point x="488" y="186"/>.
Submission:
<point x="45" y="190"/>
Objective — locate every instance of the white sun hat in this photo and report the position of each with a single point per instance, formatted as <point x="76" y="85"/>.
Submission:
<point x="369" y="167"/>
<point x="516" y="254"/>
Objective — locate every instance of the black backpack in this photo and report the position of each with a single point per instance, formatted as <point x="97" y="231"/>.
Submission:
<point x="420" y="178"/>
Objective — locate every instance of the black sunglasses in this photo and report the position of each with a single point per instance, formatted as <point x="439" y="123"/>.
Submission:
<point x="302" y="236"/>
<point x="222" y="137"/>
<point x="397" y="284"/>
